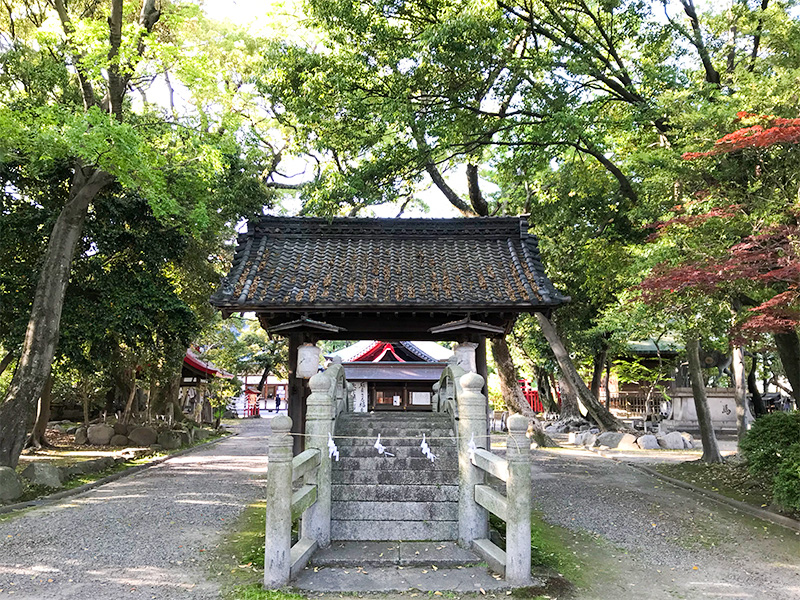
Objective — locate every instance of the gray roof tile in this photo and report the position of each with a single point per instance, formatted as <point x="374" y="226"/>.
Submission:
<point x="297" y="262"/>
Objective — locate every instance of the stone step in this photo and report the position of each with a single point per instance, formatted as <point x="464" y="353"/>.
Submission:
<point x="383" y="512"/>
<point x="389" y="463"/>
<point x="422" y="581"/>
<point x="397" y="415"/>
<point x="393" y="530"/>
<point x="388" y="433"/>
<point x="442" y="554"/>
<point x="410" y="440"/>
<point x="441" y="453"/>
<point x="395" y="493"/>
<point x="393" y="477"/>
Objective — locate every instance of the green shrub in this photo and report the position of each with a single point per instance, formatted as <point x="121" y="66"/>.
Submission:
<point x="786" y="487"/>
<point x="767" y="442"/>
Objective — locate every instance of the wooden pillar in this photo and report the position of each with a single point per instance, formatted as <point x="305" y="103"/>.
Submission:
<point x="296" y="395"/>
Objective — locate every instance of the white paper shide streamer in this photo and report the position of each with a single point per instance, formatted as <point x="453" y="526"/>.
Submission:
<point x="471" y="447"/>
<point x="333" y="451"/>
<point x="426" y="450"/>
<point x="380" y="447"/>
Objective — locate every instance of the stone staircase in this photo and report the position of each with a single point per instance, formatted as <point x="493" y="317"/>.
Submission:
<point x="404" y="497"/>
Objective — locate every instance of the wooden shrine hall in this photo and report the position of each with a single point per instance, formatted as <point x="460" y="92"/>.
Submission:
<point x="310" y="279"/>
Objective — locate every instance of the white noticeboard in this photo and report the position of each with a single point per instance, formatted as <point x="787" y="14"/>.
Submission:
<point x="396" y="400"/>
<point x="360" y="396"/>
<point x="421" y="398"/>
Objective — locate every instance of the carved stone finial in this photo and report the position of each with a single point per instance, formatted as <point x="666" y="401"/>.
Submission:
<point x="319" y="383"/>
<point x="472" y="382"/>
<point x="517" y="424"/>
<point x="281" y="424"/>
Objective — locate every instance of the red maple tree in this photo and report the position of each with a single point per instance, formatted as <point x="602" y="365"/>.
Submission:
<point x="770" y="257"/>
<point x="766" y="131"/>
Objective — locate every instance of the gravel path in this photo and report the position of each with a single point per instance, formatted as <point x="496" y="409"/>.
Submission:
<point x="143" y="537"/>
<point x="645" y="539"/>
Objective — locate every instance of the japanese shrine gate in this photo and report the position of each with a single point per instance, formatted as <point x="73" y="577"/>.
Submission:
<point x="461" y="280"/>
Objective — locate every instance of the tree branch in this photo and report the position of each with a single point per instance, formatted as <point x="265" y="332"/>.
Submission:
<point x="477" y="200"/>
<point x="757" y="36"/>
<point x="712" y="75"/>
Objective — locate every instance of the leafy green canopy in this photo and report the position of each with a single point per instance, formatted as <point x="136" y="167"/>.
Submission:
<point x="578" y="112"/>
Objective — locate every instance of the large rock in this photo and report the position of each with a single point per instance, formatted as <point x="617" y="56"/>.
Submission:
<point x="120" y="429"/>
<point x="43" y="474"/>
<point x="143" y="436"/>
<point x="589" y="439"/>
<point x="648" y="442"/>
<point x="201" y="434"/>
<point x="10" y="485"/>
<point x="119" y="440"/>
<point x="627" y="442"/>
<point x="100" y="435"/>
<point x="672" y="441"/>
<point x="609" y="438"/>
<point x="688" y="440"/>
<point x="71" y="471"/>
<point x="81" y="436"/>
<point x="169" y="440"/>
<point x="185" y="438"/>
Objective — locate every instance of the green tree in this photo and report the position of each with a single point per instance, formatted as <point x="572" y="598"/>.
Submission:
<point x="66" y="100"/>
<point x="534" y="94"/>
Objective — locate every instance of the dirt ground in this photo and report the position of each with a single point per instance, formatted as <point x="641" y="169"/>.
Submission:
<point x="634" y="536"/>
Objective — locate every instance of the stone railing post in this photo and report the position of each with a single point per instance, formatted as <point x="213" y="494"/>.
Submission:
<point x="518" y="492"/>
<point x="316" y="523"/>
<point x="473" y="520"/>
<point x="278" y="544"/>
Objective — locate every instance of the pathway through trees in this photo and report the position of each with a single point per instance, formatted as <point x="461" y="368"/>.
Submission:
<point x="143" y="537"/>
<point x="149" y="536"/>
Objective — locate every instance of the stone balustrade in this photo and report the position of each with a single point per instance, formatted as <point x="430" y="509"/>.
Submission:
<point x="477" y="499"/>
<point x="311" y="501"/>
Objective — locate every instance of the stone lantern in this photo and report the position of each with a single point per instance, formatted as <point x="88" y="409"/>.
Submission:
<point x="465" y="356"/>
<point x="307" y="360"/>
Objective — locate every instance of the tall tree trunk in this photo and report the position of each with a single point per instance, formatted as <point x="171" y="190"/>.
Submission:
<point x="171" y="398"/>
<point x="788" y="346"/>
<point x="85" y="402"/>
<point x="126" y="416"/>
<point x="37" y="437"/>
<point x="6" y="361"/>
<point x="545" y="393"/>
<point x="151" y="393"/>
<point x="569" y="400"/>
<point x="758" y="401"/>
<point x="739" y="392"/>
<point x="263" y="381"/>
<point x="599" y="363"/>
<point x="604" y="419"/>
<point x="512" y="394"/>
<point x="710" y="447"/>
<point x="41" y="336"/>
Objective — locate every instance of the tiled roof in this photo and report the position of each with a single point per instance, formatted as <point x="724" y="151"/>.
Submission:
<point x="290" y="263"/>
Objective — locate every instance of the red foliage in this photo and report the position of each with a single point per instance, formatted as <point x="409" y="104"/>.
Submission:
<point x="768" y="131"/>
<point x="771" y="257"/>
